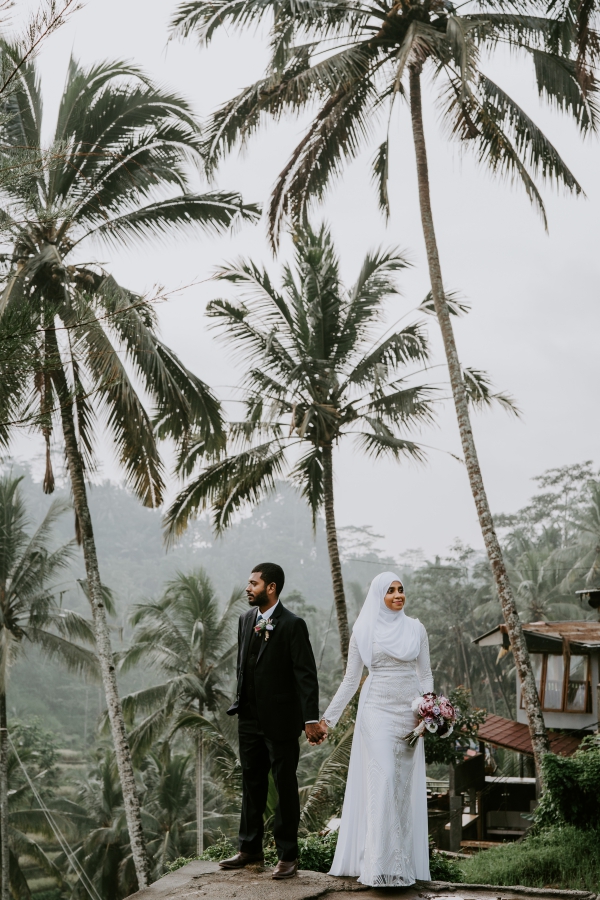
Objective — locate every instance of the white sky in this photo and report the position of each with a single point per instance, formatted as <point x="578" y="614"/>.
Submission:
<point x="535" y="318"/>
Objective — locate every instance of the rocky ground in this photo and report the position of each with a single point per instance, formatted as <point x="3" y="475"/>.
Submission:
<point x="199" y="880"/>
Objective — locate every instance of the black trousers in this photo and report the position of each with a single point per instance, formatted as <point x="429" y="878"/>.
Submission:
<point x="258" y="755"/>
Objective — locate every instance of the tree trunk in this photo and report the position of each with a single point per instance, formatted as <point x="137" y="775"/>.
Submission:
<point x="4" y="852"/>
<point x="334" y="553"/>
<point x="200" y="791"/>
<point x="489" y="678"/>
<point x="101" y="629"/>
<point x="537" y="728"/>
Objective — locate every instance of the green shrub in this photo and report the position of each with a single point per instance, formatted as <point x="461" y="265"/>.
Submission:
<point x="443" y="868"/>
<point x="562" y="857"/>
<point x="315" y="852"/>
<point x="571" y="792"/>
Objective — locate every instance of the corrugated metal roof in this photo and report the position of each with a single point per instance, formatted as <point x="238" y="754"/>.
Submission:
<point x="581" y="632"/>
<point x="585" y="634"/>
<point x="515" y="736"/>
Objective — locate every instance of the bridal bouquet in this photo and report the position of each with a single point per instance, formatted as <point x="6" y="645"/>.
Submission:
<point x="436" y="714"/>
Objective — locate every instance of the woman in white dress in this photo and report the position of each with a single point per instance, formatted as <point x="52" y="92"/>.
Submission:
<point x="383" y="835"/>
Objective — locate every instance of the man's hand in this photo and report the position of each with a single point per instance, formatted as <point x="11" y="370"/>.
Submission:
<point x="316" y="732"/>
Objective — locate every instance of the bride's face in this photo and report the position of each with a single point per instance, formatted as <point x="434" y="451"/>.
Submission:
<point x="395" y="597"/>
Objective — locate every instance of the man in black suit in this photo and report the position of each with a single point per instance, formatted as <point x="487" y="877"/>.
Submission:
<point x="277" y="698"/>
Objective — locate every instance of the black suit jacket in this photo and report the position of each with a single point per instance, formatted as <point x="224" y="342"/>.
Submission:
<point x="285" y="679"/>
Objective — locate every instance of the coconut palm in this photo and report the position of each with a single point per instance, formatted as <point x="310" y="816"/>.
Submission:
<point x="538" y="575"/>
<point x="169" y="819"/>
<point x="585" y="554"/>
<point x="192" y="643"/>
<point x="355" y="59"/>
<point x="104" y="853"/>
<point x="315" y="375"/>
<point x="30" y="616"/>
<point x="120" y="173"/>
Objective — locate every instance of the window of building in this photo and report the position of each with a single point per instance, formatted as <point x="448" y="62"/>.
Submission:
<point x="562" y="688"/>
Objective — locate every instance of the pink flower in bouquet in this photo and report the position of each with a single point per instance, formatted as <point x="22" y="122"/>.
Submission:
<point x="446" y="708"/>
<point x="436" y="715"/>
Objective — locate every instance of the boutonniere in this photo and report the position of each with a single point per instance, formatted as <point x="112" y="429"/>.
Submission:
<point x="266" y="626"/>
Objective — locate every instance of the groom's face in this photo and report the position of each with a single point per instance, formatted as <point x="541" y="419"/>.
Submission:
<point x="257" y="592"/>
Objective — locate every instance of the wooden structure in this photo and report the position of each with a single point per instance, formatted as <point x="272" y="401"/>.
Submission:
<point x="482" y="808"/>
<point x="566" y="661"/>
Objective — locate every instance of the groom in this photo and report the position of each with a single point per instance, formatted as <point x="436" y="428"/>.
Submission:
<point x="277" y="697"/>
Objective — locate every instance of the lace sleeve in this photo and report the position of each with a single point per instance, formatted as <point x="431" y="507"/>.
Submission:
<point x="424" y="673"/>
<point x="348" y="687"/>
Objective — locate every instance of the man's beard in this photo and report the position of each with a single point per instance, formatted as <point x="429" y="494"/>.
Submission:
<point x="261" y="599"/>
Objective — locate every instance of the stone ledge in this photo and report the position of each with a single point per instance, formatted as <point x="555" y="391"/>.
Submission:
<point x="200" y="880"/>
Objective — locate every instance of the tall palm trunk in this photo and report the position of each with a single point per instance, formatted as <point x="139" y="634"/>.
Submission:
<point x="4" y="853"/>
<point x="537" y="728"/>
<point x="334" y="553"/>
<point x="200" y="788"/>
<point x="101" y="630"/>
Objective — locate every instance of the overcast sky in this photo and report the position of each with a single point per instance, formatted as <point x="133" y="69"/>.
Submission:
<point x="535" y="316"/>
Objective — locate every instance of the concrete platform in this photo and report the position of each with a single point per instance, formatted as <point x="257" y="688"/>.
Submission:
<point x="206" y="881"/>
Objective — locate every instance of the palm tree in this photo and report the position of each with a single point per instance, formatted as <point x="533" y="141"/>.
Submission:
<point x="585" y="555"/>
<point x="30" y="616"/>
<point x="315" y="376"/>
<point x="120" y="173"/>
<point x="354" y="59"/>
<point x="169" y="807"/>
<point x="188" y="638"/>
<point x="538" y="574"/>
<point x="104" y="852"/>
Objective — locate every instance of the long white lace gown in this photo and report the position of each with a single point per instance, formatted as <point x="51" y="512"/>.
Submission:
<point x="383" y="835"/>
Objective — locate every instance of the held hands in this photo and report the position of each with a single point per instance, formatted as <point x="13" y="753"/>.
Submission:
<point x="316" y="732"/>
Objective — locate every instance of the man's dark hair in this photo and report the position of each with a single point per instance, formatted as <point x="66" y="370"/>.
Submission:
<point x="271" y="572"/>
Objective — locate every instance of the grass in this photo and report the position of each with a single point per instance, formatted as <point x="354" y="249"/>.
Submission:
<point x="559" y="857"/>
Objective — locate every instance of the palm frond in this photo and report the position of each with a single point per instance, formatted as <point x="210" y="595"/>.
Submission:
<point x="213" y="213"/>
<point x="408" y="345"/>
<point x="308" y="475"/>
<point x="557" y="82"/>
<point x="383" y="443"/>
<point x="479" y="392"/>
<point x="337" y="134"/>
<point x="329" y="782"/>
<point x="227" y="486"/>
<point x="456" y="305"/>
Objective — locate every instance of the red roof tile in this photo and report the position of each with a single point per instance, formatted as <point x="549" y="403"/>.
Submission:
<point x="515" y="736"/>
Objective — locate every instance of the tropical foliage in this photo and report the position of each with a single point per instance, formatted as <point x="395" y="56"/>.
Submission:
<point x="319" y="371"/>
<point x="192" y="642"/>
<point x="179" y="647"/>
<point x="81" y="348"/>
<point x="30" y="615"/>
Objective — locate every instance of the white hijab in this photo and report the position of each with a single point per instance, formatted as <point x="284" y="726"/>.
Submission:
<point x="397" y="634"/>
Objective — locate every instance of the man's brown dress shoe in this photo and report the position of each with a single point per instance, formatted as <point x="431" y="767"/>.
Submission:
<point x="241" y="859"/>
<point x="285" y="869"/>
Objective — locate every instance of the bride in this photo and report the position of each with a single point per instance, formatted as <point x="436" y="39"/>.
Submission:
<point x="383" y="834"/>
